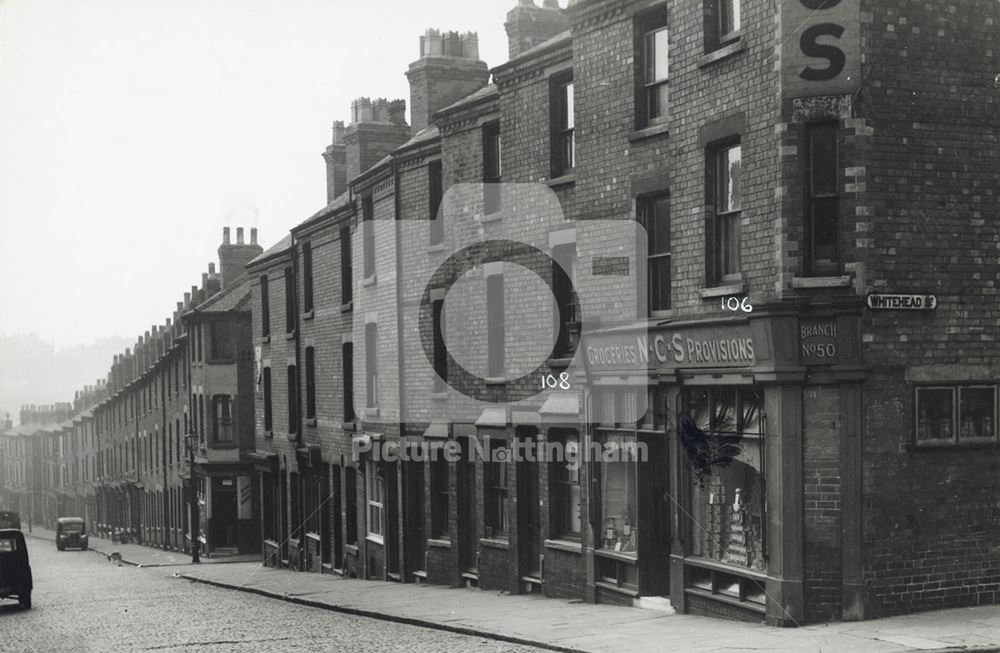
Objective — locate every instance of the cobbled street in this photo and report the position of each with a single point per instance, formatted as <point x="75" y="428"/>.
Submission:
<point x="83" y="602"/>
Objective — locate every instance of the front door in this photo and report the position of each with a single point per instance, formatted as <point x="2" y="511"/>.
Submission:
<point x="528" y="514"/>
<point x="336" y="508"/>
<point x="224" y="513"/>
<point x="416" y="538"/>
<point x="468" y="526"/>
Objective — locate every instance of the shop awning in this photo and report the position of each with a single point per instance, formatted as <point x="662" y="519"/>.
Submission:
<point x="562" y="404"/>
<point x="437" y="429"/>
<point x="493" y="416"/>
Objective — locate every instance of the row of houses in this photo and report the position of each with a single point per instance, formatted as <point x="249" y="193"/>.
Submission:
<point x="792" y="364"/>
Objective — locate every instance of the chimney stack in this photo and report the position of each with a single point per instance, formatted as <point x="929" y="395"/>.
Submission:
<point x="233" y="258"/>
<point x="448" y="70"/>
<point x="377" y="128"/>
<point x="335" y="156"/>
<point x="529" y="25"/>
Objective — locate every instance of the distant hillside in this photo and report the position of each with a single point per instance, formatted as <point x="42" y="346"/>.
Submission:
<point x="32" y="371"/>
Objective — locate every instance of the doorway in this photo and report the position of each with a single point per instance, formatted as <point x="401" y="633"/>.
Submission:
<point x="529" y="530"/>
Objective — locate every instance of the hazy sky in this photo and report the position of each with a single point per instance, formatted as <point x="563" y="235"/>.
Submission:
<point x="132" y="131"/>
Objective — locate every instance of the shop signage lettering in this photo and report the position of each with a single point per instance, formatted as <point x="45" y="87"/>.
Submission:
<point x="902" y="302"/>
<point x="818" y="342"/>
<point x="673" y="349"/>
<point x="821" y="53"/>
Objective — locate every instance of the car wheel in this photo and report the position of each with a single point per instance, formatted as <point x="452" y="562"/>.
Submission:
<point x="24" y="600"/>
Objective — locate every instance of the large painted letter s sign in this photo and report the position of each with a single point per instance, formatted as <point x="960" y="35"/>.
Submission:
<point x="823" y="56"/>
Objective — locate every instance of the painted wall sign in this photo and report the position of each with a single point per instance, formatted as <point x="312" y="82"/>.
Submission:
<point x="817" y="341"/>
<point x="821" y="47"/>
<point x="727" y="346"/>
<point x="902" y="302"/>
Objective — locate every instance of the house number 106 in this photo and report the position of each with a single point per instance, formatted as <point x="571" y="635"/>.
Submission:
<point x="736" y="304"/>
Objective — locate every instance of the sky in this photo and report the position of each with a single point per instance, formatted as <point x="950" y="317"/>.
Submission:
<point x="132" y="131"/>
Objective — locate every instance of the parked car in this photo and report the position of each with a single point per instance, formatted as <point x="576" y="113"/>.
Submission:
<point x="15" y="572"/>
<point x="10" y="519"/>
<point x="71" y="532"/>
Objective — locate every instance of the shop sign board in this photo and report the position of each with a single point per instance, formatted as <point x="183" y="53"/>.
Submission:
<point x="821" y="49"/>
<point x="818" y="341"/>
<point x="716" y="346"/>
<point x="879" y="301"/>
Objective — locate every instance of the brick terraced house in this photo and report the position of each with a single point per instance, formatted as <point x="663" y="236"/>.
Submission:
<point x="813" y="331"/>
<point x="118" y="456"/>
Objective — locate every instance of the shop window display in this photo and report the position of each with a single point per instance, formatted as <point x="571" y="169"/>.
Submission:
<point x="618" y="498"/>
<point x="727" y="498"/>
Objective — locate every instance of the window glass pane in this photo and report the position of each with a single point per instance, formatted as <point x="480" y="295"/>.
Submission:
<point x="730" y="186"/>
<point x="618" y="498"/>
<point x="698" y="408"/>
<point x="977" y="407"/>
<point x="823" y="163"/>
<point x="569" y="106"/>
<point x="724" y="418"/>
<point x="750" y="408"/>
<point x="824" y="228"/>
<point x="658" y="56"/>
<point x="934" y="417"/>
<point x="659" y="280"/>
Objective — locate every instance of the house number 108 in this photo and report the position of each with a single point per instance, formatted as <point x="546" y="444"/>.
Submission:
<point x="550" y="381"/>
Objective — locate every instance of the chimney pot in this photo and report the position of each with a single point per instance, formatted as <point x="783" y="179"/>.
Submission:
<point x="239" y="235"/>
<point x="186" y="302"/>
<point x="211" y="269"/>
<point x="225" y="235"/>
<point x="253" y="230"/>
<point x="338" y="132"/>
<point x="204" y="279"/>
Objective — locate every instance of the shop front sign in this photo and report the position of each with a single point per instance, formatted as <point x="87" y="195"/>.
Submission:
<point x="821" y="52"/>
<point x="818" y="341"/>
<point x="721" y="346"/>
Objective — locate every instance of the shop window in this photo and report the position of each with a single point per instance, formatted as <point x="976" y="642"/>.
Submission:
<point x="351" y="505"/>
<point x="310" y="383"/>
<point x="307" y="277"/>
<point x="567" y="319"/>
<point x="725" y="195"/>
<point x="495" y="481"/>
<point x="492" y="170"/>
<point x="654" y="214"/>
<point x="618" y="481"/>
<point x="346" y="267"/>
<point x="562" y="124"/>
<point x="440" y="351"/>
<point x="375" y="500"/>
<point x="440" y="495"/>
<point x="956" y="414"/>
<point x="435" y="193"/>
<point x="223" y="418"/>
<point x="652" y="61"/>
<point x="222" y="340"/>
<point x="368" y="234"/>
<point x="724" y="426"/>
<point x="723" y="22"/>
<point x="347" y="366"/>
<point x="268" y="425"/>
<point x="564" y="478"/>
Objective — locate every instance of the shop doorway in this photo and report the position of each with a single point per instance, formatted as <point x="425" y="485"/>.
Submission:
<point x="416" y="538"/>
<point x="224" y="513"/>
<point x="529" y="530"/>
<point x="468" y="523"/>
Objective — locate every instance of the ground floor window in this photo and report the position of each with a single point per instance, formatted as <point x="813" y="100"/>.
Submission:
<point x="725" y="432"/>
<point x="351" y="504"/>
<point x="564" y="478"/>
<point x="376" y="500"/>
<point x="619" y="489"/>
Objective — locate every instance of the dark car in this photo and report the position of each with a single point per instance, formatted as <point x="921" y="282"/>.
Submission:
<point x="71" y="532"/>
<point x="10" y="519"/>
<point x="15" y="572"/>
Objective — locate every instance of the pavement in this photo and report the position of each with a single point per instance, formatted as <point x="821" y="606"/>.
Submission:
<point x="574" y="626"/>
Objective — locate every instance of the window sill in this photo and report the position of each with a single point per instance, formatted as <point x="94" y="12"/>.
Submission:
<point x="493" y="543"/>
<point x="347" y="308"/>
<point x="738" y="288"/>
<point x="722" y="52"/>
<point x="569" y="546"/>
<point x="264" y="340"/>
<point x="439" y="543"/>
<point x="561" y="362"/>
<point x="369" y="281"/>
<point x="290" y="335"/>
<point x="371" y="412"/>
<point x="562" y="180"/>
<point x="349" y="426"/>
<point x="310" y="421"/>
<point x="843" y="281"/>
<point x="495" y="380"/>
<point x="292" y="437"/>
<point x="436" y="248"/>
<point x="491" y="217"/>
<point x="951" y="445"/>
<point x="611" y="587"/>
<point x="375" y="539"/>
<point x="439" y="396"/>
<point x="351" y="549"/>
<point x="662" y="129"/>
<point x="624" y="556"/>
<point x="308" y="315"/>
